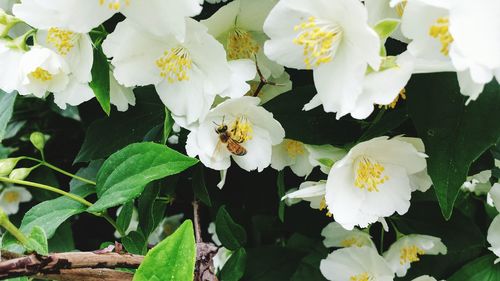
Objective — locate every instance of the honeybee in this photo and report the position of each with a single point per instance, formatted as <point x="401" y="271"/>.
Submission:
<point x="226" y="136"/>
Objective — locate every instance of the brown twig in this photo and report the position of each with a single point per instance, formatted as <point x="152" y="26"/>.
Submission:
<point x="263" y="80"/>
<point x="55" y="263"/>
<point x="196" y="217"/>
<point x="88" y="274"/>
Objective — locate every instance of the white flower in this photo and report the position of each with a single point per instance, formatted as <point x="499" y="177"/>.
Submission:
<point x="478" y="183"/>
<point x="409" y="248"/>
<point x="160" y="17"/>
<point x="223" y="254"/>
<point x="6" y="5"/>
<point x="493" y="236"/>
<point x="336" y="236"/>
<point x="238" y="129"/>
<point x="313" y="192"/>
<point x="11" y="197"/>
<point x="372" y="181"/>
<point x="120" y="96"/>
<point x="420" y="181"/>
<point x="355" y="264"/>
<point x="166" y="227"/>
<point x="294" y="154"/>
<point x="182" y="72"/>
<point x="425" y="278"/>
<point x="302" y="158"/>
<point x="332" y="38"/>
<point x="381" y="9"/>
<point x="42" y="70"/>
<point x="11" y="61"/>
<point x="456" y="35"/>
<point x="238" y="26"/>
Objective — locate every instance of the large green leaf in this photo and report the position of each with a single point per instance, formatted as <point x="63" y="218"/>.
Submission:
<point x="124" y="174"/>
<point x="234" y="268"/>
<point x="454" y="134"/>
<point x="314" y="126"/>
<point x="481" y="269"/>
<point x="106" y="136"/>
<point x="100" y="80"/>
<point x="231" y="234"/>
<point x="6" y="109"/>
<point x="172" y="259"/>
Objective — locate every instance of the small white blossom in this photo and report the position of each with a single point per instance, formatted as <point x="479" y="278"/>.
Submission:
<point x="313" y="192"/>
<point x="409" y="248"/>
<point x="357" y="264"/>
<point x="11" y="197"/>
<point x="336" y="236"/>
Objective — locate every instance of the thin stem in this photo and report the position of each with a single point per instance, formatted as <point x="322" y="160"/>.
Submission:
<point x="49" y="188"/>
<point x="196" y="216"/>
<point x="12" y="229"/>
<point x="48" y="165"/>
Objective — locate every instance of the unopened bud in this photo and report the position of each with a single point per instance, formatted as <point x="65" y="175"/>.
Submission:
<point x="20" y="173"/>
<point x="38" y="140"/>
<point x="7" y="165"/>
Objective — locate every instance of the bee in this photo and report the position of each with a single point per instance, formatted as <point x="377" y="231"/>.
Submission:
<point x="226" y="136"/>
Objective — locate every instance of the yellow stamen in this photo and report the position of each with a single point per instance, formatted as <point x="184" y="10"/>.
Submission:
<point x="440" y="31"/>
<point x="113" y="4"/>
<point x="318" y="40"/>
<point x="410" y="254"/>
<point x="369" y="175"/>
<point x="11" y="196"/>
<point x="62" y="40"/>
<point x="241" y="130"/>
<point x="323" y="206"/>
<point x="352" y="241"/>
<point x="241" y="45"/>
<point x="294" y="148"/>
<point x="41" y="74"/>
<point x="392" y="105"/>
<point x="361" y="277"/>
<point x="400" y="8"/>
<point x="174" y="64"/>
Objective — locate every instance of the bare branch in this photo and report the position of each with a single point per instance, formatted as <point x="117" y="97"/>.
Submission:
<point x="88" y="274"/>
<point x="53" y="264"/>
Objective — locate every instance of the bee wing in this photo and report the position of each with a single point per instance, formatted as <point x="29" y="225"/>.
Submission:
<point x="217" y="149"/>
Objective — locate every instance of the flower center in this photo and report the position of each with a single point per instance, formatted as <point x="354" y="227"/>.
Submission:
<point x="241" y="130"/>
<point x="369" y="175"/>
<point x="62" y="40"/>
<point x="351" y="241"/>
<point x="440" y="31"/>
<point x="41" y="74"/>
<point x="174" y="64"/>
<point x="410" y="254"/>
<point x="400" y="8"/>
<point x="319" y="40"/>
<point x="113" y="4"/>
<point x="241" y="45"/>
<point x="11" y="196"/>
<point x="361" y="277"/>
<point x="294" y="148"/>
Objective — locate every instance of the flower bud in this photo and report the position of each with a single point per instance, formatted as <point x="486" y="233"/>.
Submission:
<point x="20" y="173"/>
<point x="7" y="165"/>
<point x="38" y="140"/>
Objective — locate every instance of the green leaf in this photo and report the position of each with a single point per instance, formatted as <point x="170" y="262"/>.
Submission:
<point x="100" y="80"/>
<point x="234" y="269"/>
<point x="231" y="234"/>
<point x="106" y="136"/>
<point x="172" y="259"/>
<point x="124" y="174"/>
<point x="199" y="186"/>
<point x="386" y="27"/>
<point x="454" y="134"/>
<point x="280" y="182"/>
<point x="482" y="269"/>
<point x="38" y="241"/>
<point x="135" y="243"/>
<point x="314" y="126"/>
<point x="167" y="126"/>
<point x="62" y="240"/>
<point x="125" y="216"/>
<point x="6" y="110"/>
